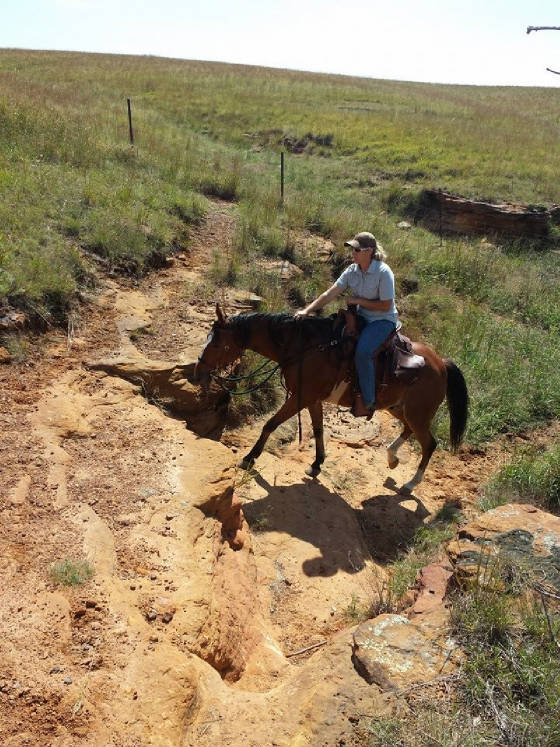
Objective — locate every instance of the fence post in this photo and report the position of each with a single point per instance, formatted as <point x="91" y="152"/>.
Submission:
<point x="130" y="132"/>
<point x="282" y="177"/>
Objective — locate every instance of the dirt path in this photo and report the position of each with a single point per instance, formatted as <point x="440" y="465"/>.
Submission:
<point x="186" y="633"/>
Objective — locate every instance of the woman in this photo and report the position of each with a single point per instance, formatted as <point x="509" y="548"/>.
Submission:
<point x="372" y="285"/>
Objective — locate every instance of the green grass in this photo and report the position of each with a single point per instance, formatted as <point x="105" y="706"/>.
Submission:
<point x="506" y="690"/>
<point x="71" y="572"/>
<point x="358" y="152"/>
<point x="533" y="476"/>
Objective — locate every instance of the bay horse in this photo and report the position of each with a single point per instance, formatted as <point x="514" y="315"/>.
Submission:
<point x="315" y="371"/>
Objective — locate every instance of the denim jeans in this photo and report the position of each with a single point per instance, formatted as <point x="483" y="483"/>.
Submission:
<point x="371" y="337"/>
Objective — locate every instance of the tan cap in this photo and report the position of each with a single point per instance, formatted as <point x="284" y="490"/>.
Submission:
<point x="363" y="240"/>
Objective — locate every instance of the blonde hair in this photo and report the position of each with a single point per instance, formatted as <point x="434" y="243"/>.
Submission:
<point x="379" y="252"/>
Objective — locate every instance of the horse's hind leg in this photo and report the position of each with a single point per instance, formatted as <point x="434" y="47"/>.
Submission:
<point x="316" y="412"/>
<point x="421" y="428"/>
<point x="394" y="446"/>
<point x="288" y="409"/>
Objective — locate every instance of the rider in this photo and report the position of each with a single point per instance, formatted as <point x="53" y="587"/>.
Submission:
<point x="372" y="285"/>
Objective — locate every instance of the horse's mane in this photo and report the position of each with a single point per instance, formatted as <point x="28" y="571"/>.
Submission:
<point x="283" y="328"/>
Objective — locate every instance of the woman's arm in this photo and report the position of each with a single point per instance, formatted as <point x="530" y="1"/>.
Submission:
<point x="365" y="303"/>
<point x="322" y="300"/>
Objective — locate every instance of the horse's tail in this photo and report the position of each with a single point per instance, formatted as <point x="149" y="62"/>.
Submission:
<point x="457" y="402"/>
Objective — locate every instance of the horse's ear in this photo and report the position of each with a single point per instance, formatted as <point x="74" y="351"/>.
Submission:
<point x="220" y="314"/>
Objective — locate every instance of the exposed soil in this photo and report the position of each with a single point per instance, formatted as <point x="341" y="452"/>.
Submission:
<point x="186" y="633"/>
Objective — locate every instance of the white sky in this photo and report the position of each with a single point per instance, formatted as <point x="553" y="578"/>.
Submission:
<point x="445" y="41"/>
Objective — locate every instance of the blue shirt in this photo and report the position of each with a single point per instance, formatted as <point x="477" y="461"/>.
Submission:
<point x="377" y="283"/>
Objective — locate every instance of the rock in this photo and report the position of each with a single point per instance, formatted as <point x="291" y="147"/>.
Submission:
<point x="174" y="386"/>
<point x="150" y="615"/>
<point x="282" y="267"/>
<point x="167" y="616"/>
<point x="441" y="211"/>
<point x="358" y="433"/>
<point x="5" y="356"/>
<point x="11" y="320"/>
<point x="68" y="680"/>
<point x="521" y="534"/>
<point x="394" y="652"/>
<point x="432" y="581"/>
<point x="404" y="225"/>
<point x="244" y="299"/>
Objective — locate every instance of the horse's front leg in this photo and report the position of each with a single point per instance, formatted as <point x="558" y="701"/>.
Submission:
<point x="316" y="412"/>
<point x="289" y="408"/>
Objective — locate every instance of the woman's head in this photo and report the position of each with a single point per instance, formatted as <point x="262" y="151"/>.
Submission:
<point x="367" y="243"/>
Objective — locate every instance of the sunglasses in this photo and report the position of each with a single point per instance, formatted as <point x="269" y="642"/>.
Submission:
<point x="362" y="249"/>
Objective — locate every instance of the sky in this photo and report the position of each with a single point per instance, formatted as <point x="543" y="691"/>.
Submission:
<point x="481" y="42"/>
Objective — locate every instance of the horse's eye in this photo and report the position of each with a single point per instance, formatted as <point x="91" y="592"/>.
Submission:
<point x="226" y="347"/>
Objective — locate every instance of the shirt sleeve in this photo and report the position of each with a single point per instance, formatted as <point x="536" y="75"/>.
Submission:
<point x="342" y="281"/>
<point x="386" y="284"/>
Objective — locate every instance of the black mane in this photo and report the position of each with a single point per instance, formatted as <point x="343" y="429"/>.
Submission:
<point x="284" y="329"/>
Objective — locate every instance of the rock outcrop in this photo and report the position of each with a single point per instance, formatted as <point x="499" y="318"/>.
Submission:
<point x="520" y="536"/>
<point x="448" y="213"/>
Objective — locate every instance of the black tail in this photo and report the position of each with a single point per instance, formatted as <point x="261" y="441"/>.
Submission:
<point x="457" y="402"/>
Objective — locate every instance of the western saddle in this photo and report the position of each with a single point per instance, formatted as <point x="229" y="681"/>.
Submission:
<point x="394" y="359"/>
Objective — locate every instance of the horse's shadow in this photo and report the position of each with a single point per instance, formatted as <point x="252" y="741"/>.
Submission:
<point x="344" y="536"/>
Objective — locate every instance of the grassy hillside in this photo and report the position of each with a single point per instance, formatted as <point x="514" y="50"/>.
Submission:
<point x="71" y="186"/>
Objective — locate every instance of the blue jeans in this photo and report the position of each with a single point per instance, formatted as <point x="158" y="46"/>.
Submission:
<point x="371" y="337"/>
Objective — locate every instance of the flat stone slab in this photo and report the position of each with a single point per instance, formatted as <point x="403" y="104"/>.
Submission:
<point x="394" y="652"/>
<point x="521" y="534"/>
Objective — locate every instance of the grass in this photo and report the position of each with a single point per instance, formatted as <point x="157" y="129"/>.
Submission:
<point x="71" y="572"/>
<point x="507" y="689"/>
<point x="533" y="476"/>
<point x="358" y="152"/>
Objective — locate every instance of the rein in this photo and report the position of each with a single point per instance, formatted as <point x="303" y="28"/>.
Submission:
<point x="223" y="380"/>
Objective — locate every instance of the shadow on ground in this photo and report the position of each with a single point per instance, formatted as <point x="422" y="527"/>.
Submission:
<point x="382" y="527"/>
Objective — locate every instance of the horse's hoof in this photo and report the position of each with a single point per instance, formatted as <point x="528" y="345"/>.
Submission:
<point x="392" y="462"/>
<point x="247" y="464"/>
<point x="312" y="471"/>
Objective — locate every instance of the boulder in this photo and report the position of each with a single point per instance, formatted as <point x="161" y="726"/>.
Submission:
<point x="521" y="535"/>
<point x="395" y="652"/>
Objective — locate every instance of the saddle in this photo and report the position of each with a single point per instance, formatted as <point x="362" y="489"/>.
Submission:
<point x="394" y="359"/>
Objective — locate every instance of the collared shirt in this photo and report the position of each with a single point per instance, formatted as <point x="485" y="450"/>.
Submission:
<point x="377" y="283"/>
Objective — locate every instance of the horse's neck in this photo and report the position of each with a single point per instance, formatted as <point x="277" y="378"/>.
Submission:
<point x="259" y="341"/>
<point x="265" y="348"/>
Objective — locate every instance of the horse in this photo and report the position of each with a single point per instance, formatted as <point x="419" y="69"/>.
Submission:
<point x="315" y="371"/>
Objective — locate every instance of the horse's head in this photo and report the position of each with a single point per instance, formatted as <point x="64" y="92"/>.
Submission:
<point x="222" y="347"/>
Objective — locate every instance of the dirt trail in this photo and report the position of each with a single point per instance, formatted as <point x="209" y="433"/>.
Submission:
<point x="186" y="633"/>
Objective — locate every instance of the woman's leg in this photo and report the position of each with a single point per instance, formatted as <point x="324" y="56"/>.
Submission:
<point x="372" y="336"/>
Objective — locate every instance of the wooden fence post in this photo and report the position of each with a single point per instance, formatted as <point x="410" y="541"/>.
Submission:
<point x="130" y="132"/>
<point x="282" y="177"/>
